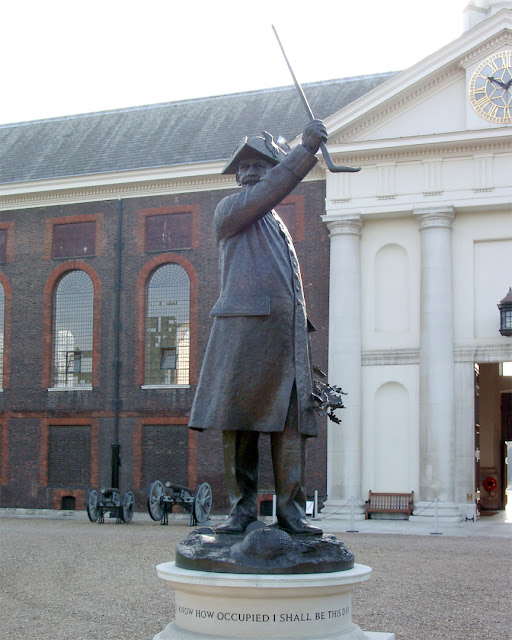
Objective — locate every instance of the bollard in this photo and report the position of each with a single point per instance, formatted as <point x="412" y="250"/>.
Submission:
<point x="352" y="517"/>
<point x="436" y="521"/>
<point x="315" y="506"/>
<point x="274" y="508"/>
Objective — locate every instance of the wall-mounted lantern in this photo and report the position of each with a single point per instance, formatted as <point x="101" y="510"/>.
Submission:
<point x="505" y="307"/>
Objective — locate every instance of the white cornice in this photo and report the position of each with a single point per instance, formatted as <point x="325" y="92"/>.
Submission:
<point x="404" y="205"/>
<point x="502" y="39"/>
<point x="496" y="139"/>
<point x="386" y="357"/>
<point x="498" y="352"/>
<point x="123" y="184"/>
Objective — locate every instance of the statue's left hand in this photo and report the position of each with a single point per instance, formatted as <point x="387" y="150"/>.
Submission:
<point x="314" y="133"/>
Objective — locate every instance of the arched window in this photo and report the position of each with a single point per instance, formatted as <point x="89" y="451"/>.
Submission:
<point x="2" y="324"/>
<point x="73" y="331"/>
<point x="168" y="326"/>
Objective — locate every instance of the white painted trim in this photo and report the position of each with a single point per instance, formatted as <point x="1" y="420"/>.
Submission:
<point x="82" y="388"/>
<point x="466" y="200"/>
<point x="384" y="357"/>
<point x="165" y="386"/>
<point x="450" y="142"/>
<point x="117" y="177"/>
<point x="123" y="184"/>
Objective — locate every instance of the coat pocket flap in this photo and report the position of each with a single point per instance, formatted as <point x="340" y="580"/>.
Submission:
<point x="241" y="306"/>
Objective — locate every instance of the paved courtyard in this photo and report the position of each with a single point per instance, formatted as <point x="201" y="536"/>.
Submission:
<point x="68" y="579"/>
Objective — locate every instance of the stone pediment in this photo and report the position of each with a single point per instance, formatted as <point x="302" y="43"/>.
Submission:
<point x="429" y="98"/>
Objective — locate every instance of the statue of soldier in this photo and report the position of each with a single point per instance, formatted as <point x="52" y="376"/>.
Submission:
<point x="256" y="375"/>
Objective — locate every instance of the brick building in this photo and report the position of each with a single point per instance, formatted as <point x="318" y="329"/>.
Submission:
<point x="108" y="270"/>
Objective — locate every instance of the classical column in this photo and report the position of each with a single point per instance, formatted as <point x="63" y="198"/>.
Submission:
<point x="344" y="441"/>
<point x="437" y="400"/>
<point x="464" y="478"/>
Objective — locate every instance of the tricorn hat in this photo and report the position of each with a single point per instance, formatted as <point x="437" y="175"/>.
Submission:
<point x="263" y="146"/>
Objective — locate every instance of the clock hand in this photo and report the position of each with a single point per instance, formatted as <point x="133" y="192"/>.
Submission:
<point x="508" y="85"/>
<point x="496" y="81"/>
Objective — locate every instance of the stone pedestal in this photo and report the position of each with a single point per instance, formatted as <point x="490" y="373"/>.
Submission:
<point x="213" y="606"/>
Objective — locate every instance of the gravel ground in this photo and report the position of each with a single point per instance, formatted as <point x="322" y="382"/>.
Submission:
<point x="73" y="580"/>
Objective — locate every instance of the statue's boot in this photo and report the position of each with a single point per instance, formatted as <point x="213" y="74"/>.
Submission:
<point x="289" y="460"/>
<point x="241" y="470"/>
<point x="236" y="523"/>
<point x="299" y="526"/>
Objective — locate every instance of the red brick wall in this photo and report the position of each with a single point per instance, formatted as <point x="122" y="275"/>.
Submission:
<point x="4" y="383"/>
<point x="27" y="409"/>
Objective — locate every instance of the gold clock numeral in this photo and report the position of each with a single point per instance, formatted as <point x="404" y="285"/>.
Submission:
<point x="507" y="58"/>
<point x="493" y="111"/>
<point x="506" y="113"/>
<point x="482" y="102"/>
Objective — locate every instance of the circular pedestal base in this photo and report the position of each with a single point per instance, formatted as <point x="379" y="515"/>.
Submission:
<point x="173" y="632"/>
<point x="245" y="607"/>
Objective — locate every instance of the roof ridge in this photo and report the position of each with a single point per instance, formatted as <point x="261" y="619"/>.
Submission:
<point x="161" y="105"/>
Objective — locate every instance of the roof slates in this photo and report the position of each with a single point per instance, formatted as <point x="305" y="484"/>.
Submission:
<point x="169" y="134"/>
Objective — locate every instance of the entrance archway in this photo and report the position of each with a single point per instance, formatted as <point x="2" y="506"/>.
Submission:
<point x="493" y="430"/>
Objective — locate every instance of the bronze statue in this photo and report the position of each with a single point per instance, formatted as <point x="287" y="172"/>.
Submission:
<point x="256" y="375"/>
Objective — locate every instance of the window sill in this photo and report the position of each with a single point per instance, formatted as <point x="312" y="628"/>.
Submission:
<point x="81" y="388"/>
<point x="165" y="386"/>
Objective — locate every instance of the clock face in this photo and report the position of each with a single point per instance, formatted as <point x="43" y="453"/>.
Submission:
<point x="490" y="88"/>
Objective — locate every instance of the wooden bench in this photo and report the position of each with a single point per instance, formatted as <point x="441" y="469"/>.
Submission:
<point x="389" y="503"/>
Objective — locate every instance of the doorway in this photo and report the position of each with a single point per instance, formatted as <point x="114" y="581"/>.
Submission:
<point x="493" y="428"/>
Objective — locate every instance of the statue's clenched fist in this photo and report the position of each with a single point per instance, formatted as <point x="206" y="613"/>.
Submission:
<point x="314" y="133"/>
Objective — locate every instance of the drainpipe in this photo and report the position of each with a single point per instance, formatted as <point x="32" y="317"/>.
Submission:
<point x="116" y="460"/>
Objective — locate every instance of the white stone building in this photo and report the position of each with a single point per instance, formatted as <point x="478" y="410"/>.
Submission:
<point x="421" y="254"/>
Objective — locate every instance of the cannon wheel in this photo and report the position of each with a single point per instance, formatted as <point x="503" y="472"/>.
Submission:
<point x="127" y="506"/>
<point x="92" y="505"/>
<point x="202" y="502"/>
<point x="156" y="491"/>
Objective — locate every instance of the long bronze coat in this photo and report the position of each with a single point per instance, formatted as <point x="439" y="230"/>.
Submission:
<point x="259" y="343"/>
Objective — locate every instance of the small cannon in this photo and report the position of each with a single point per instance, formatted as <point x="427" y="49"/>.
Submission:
<point x="161" y="500"/>
<point x="120" y="508"/>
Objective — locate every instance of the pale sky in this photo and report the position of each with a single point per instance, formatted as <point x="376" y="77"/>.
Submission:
<point x="62" y="57"/>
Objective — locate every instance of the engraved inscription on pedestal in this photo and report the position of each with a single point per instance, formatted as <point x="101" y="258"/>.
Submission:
<point x="283" y="618"/>
<point x="223" y="605"/>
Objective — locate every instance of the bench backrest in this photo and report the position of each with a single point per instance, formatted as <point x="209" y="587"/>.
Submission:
<point x="390" y="501"/>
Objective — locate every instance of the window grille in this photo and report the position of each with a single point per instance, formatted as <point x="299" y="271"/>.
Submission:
<point x="2" y="320"/>
<point x="167" y="326"/>
<point x="73" y="331"/>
